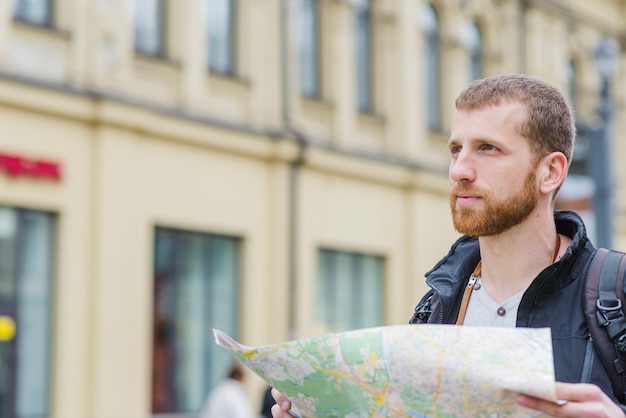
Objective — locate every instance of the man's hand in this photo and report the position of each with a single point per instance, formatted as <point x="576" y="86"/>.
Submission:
<point x="281" y="409"/>
<point x="578" y="400"/>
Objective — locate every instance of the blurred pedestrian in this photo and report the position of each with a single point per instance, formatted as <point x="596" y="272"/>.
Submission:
<point x="229" y="398"/>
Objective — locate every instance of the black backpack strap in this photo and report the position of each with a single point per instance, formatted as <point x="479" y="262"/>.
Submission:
<point x="604" y="308"/>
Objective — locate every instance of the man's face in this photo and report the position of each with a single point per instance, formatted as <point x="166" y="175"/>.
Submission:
<point x="492" y="172"/>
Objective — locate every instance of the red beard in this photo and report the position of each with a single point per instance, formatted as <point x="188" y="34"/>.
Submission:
<point x="496" y="216"/>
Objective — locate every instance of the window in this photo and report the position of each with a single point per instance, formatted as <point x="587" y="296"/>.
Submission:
<point x="363" y="41"/>
<point x="473" y="40"/>
<point x="221" y="21"/>
<point x="26" y="252"/>
<point x="430" y="25"/>
<point x="309" y="48"/>
<point x="572" y="83"/>
<point x="38" y="12"/>
<point x="149" y="18"/>
<point x="196" y="284"/>
<point x="349" y="290"/>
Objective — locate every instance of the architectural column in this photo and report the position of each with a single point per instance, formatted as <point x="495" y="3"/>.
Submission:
<point x="398" y="102"/>
<point x="83" y="40"/>
<point x="117" y="45"/>
<point x="193" y="50"/>
<point x="263" y="44"/>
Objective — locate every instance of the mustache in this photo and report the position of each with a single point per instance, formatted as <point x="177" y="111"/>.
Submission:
<point x="466" y="191"/>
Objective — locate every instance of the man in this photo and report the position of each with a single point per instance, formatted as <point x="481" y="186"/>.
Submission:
<point x="510" y="146"/>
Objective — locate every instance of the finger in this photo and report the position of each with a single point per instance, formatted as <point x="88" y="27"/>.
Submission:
<point x="577" y="392"/>
<point x="578" y="400"/>
<point x="281" y="400"/>
<point x="278" y="412"/>
<point x="538" y="404"/>
<point x="278" y="397"/>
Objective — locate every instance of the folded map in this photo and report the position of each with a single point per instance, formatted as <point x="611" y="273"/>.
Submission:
<point x="407" y="370"/>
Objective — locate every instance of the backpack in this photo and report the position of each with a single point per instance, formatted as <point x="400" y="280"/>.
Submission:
<point x="604" y="305"/>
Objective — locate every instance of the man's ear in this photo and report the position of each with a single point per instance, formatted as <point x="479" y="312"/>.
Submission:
<point x="552" y="172"/>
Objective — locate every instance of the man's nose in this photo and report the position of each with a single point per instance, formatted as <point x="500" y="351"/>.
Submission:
<point x="462" y="168"/>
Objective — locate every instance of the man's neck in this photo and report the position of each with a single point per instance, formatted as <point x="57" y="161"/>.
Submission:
<point x="512" y="260"/>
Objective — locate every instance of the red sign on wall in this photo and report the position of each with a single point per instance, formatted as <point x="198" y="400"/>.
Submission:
<point x="17" y="166"/>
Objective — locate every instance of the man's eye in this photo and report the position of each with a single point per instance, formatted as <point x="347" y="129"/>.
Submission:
<point x="455" y="150"/>
<point x="488" y="147"/>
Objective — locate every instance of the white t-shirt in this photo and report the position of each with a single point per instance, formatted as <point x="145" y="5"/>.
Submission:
<point x="484" y="311"/>
<point x="227" y="400"/>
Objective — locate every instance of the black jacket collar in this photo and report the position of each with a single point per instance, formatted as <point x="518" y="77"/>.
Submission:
<point x="454" y="269"/>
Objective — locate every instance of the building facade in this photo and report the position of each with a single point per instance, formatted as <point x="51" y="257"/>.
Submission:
<point x="272" y="168"/>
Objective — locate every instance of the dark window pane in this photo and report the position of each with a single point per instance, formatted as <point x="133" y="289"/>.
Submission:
<point x="33" y="304"/>
<point x="149" y="27"/>
<point x="38" y="12"/>
<point x="196" y="289"/>
<point x="572" y="83"/>
<point x="363" y="42"/>
<point x="26" y="251"/>
<point x="309" y="48"/>
<point x="475" y="43"/>
<point x="349" y="290"/>
<point x="430" y="23"/>
<point x="221" y="21"/>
